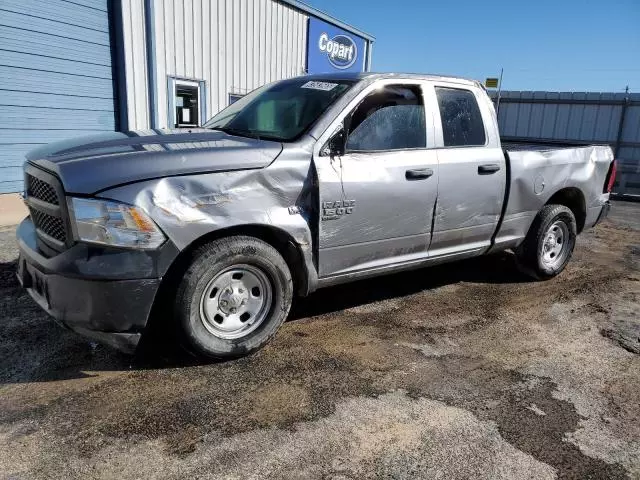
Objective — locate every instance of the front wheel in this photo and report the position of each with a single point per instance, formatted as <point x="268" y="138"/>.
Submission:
<point x="233" y="298"/>
<point x="549" y="244"/>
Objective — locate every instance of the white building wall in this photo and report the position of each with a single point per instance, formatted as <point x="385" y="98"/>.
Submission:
<point x="135" y="59"/>
<point x="234" y="46"/>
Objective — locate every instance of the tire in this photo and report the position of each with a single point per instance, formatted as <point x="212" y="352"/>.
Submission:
<point x="233" y="297"/>
<point x="549" y="245"/>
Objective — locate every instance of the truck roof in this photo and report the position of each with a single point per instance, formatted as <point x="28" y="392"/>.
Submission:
<point x="376" y="76"/>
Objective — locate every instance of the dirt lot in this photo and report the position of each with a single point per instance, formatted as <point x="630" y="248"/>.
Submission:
<point x="461" y="371"/>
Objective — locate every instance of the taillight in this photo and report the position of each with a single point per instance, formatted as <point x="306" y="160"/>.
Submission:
<point x="611" y="177"/>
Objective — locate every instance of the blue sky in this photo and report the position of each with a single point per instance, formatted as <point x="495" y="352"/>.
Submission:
<point x="564" y="45"/>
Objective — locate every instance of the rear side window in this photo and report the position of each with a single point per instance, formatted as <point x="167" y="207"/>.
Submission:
<point x="389" y="119"/>
<point x="461" y="119"/>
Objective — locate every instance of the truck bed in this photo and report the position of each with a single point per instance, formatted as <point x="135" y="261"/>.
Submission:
<point x="537" y="172"/>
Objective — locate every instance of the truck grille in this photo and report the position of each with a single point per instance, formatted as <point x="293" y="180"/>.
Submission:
<point x="52" y="226"/>
<point x="36" y="188"/>
<point x="48" y="210"/>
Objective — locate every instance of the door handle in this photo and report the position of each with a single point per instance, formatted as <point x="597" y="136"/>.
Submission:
<point x="488" y="169"/>
<point x="418" y="173"/>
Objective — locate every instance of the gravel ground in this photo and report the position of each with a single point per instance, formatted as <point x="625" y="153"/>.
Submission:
<point x="466" y="370"/>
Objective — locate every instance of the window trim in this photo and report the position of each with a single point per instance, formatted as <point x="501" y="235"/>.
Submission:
<point x="438" y="117"/>
<point x="424" y="85"/>
<point x="172" y="83"/>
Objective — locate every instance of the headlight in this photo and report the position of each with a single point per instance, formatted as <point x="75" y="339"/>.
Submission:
<point x="113" y="223"/>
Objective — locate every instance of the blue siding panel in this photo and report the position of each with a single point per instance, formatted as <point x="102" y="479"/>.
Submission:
<point x="26" y="80"/>
<point x="9" y="187"/>
<point x="55" y="63"/>
<point x="59" y="11"/>
<point x="51" y="100"/>
<point x="45" y="135"/>
<point x="20" y="21"/>
<point x="14" y="152"/>
<point x="51" y="64"/>
<point x="54" y="46"/>
<point x="38" y="118"/>
<point x="11" y="174"/>
<point x="95" y="4"/>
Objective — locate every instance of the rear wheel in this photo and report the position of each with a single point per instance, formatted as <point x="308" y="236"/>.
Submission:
<point x="549" y="244"/>
<point x="233" y="298"/>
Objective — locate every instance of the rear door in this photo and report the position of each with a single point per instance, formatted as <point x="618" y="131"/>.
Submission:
<point x="376" y="201"/>
<point x="472" y="171"/>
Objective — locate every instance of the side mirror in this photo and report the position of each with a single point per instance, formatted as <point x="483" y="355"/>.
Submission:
<point x="336" y="145"/>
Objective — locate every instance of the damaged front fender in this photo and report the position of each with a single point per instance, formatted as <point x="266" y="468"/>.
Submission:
<point x="189" y="207"/>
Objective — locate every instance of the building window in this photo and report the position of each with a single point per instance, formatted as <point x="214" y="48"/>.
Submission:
<point x="186" y="103"/>
<point x="234" y="97"/>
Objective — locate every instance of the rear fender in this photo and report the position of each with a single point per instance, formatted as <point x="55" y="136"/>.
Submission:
<point x="538" y="175"/>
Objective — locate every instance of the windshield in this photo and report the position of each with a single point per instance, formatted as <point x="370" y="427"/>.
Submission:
<point x="279" y="111"/>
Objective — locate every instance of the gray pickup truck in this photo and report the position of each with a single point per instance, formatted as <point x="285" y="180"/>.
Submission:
<point x="301" y="184"/>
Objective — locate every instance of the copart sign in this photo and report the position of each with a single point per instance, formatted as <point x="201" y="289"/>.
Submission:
<point x="332" y="49"/>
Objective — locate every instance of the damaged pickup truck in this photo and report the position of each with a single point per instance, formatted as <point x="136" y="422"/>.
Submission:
<point x="301" y="184"/>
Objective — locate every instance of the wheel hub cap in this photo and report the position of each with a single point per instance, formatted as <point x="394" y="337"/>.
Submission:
<point x="236" y="301"/>
<point x="232" y="298"/>
<point x="555" y="246"/>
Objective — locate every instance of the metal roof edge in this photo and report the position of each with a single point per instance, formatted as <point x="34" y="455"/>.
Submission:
<point x="328" y="18"/>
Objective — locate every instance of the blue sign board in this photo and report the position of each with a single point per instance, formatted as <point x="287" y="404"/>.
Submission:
<point x="332" y="49"/>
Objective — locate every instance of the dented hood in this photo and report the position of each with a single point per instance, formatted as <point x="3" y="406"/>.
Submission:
<point x="88" y="165"/>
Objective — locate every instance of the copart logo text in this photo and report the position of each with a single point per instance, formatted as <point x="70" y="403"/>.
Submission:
<point x="341" y="50"/>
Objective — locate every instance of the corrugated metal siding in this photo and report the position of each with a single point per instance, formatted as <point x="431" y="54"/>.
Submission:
<point x="233" y="45"/>
<point x="563" y="118"/>
<point x="135" y="60"/>
<point x="55" y="65"/>
<point x="629" y="179"/>
<point x="597" y="123"/>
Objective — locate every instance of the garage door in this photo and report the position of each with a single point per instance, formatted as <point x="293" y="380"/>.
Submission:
<point x="55" y="77"/>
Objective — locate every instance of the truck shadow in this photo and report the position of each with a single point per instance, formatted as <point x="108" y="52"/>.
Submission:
<point x="35" y="349"/>
<point x="498" y="268"/>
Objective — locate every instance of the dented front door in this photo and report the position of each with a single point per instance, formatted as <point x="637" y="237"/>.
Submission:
<point x="372" y="212"/>
<point x="377" y="199"/>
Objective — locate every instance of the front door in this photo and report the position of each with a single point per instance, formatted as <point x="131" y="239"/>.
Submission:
<point x="377" y="200"/>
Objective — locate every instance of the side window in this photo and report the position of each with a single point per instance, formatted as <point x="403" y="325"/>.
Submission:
<point x="389" y="119"/>
<point x="461" y="118"/>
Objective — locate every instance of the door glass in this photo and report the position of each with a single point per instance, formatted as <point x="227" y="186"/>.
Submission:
<point x="461" y="118"/>
<point x="389" y="119"/>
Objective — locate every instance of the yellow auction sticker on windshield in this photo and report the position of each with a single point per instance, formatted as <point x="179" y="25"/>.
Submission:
<point x="326" y="86"/>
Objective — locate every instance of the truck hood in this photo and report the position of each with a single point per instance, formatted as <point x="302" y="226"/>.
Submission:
<point x="88" y="165"/>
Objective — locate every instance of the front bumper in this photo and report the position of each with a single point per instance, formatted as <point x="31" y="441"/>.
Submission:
<point x="102" y="293"/>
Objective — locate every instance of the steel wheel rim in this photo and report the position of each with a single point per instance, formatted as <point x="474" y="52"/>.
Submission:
<point x="236" y="301"/>
<point x="555" y="244"/>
